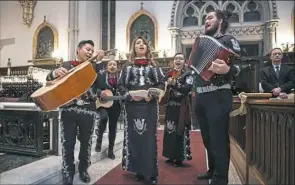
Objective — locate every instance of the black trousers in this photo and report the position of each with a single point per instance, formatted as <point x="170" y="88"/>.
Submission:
<point x="72" y="119"/>
<point x="112" y="115"/>
<point x="212" y="111"/>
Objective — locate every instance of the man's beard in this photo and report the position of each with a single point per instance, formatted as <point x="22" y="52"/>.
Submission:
<point x="212" y="31"/>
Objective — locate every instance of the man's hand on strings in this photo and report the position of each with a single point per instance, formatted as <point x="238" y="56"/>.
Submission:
<point x="219" y="67"/>
<point x="60" y="72"/>
<point x="171" y="81"/>
<point x="99" y="54"/>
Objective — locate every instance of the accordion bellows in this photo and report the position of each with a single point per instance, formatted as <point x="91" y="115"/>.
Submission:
<point x="205" y="50"/>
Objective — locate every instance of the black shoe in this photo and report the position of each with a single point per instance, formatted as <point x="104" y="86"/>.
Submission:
<point x="98" y="147"/>
<point x="111" y="154"/>
<point x="218" y="182"/>
<point x="139" y="177"/>
<point x="84" y="176"/>
<point x="154" y="180"/>
<point x="205" y="176"/>
<point x="177" y="164"/>
<point x="169" y="161"/>
<point x="67" y="180"/>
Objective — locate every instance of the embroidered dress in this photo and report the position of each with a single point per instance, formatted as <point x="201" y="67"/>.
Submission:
<point x="176" y="142"/>
<point x="141" y="118"/>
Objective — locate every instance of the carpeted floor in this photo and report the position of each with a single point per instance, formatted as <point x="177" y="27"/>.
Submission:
<point x="167" y="173"/>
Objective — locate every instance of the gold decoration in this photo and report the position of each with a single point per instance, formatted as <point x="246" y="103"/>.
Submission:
<point x="35" y="44"/>
<point x="28" y="7"/>
<point x="242" y="110"/>
<point x="133" y="18"/>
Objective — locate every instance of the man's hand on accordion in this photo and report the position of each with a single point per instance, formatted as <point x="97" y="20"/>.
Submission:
<point x="219" y="67"/>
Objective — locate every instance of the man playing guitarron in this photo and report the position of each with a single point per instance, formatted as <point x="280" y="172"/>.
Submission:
<point x="78" y="114"/>
<point x="108" y="81"/>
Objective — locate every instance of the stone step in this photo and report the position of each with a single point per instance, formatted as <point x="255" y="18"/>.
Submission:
<point x="48" y="170"/>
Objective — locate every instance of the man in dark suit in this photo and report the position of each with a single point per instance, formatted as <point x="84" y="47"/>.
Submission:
<point x="277" y="78"/>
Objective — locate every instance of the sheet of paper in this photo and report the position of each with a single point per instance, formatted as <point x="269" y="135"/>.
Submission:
<point x="140" y="93"/>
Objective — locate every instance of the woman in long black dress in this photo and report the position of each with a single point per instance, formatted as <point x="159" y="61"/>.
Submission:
<point x="176" y="142"/>
<point x="140" y="142"/>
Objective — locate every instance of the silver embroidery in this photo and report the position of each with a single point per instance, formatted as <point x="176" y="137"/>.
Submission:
<point x="139" y="126"/>
<point x="186" y="155"/>
<point x="173" y="103"/>
<point x="83" y="111"/>
<point x="155" y="74"/>
<point x="127" y="74"/>
<point x="126" y="154"/>
<point x="81" y="102"/>
<point x="189" y="80"/>
<point x="141" y="76"/>
<point x="101" y="71"/>
<point x="65" y="167"/>
<point x="170" y="126"/>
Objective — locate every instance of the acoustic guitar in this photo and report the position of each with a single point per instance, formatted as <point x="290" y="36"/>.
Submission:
<point x="164" y="99"/>
<point x="65" y="89"/>
<point x="108" y="100"/>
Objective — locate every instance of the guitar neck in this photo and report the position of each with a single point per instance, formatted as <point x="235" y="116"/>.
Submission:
<point x="112" y="98"/>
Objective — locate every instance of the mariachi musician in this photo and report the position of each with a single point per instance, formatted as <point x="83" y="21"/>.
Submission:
<point x="78" y="114"/>
<point x="214" y="101"/>
<point x="108" y="81"/>
<point x="176" y="141"/>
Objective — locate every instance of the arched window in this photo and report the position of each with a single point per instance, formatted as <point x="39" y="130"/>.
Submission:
<point x="143" y="26"/>
<point x="45" y="41"/>
<point x="142" y="23"/>
<point x="234" y="9"/>
<point x="190" y="18"/>
<point x="194" y="12"/>
<point x="252" y="11"/>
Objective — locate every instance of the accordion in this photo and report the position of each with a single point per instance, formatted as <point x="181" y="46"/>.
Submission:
<point x="205" y="50"/>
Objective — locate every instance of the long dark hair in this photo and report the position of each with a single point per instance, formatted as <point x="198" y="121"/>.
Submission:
<point x="224" y="16"/>
<point x="148" y="54"/>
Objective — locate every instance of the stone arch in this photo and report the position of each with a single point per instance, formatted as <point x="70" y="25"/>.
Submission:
<point x="269" y="12"/>
<point x="133" y="18"/>
<point x="43" y="25"/>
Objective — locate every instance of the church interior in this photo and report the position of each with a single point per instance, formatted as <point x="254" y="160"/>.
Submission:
<point x="38" y="36"/>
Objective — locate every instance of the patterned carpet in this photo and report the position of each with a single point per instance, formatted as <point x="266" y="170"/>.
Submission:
<point x="167" y="173"/>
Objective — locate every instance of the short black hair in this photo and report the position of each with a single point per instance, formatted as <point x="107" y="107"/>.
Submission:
<point x="83" y="42"/>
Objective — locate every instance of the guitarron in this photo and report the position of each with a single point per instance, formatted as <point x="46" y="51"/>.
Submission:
<point x="63" y="90"/>
<point x="205" y="50"/>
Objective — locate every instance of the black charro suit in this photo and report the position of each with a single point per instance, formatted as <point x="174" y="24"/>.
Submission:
<point x="269" y="80"/>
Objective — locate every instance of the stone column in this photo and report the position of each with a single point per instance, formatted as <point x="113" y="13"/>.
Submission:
<point x="270" y="42"/>
<point x="175" y="44"/>
<point x="73" y="29"/>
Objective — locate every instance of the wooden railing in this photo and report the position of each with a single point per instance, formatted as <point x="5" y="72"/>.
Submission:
<point x="263" y="142"/>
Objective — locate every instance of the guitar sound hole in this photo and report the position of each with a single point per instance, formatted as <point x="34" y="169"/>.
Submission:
<point x="102" y="100"/>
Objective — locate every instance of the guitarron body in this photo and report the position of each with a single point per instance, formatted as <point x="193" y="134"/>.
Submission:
<point x="63" y="90"/>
